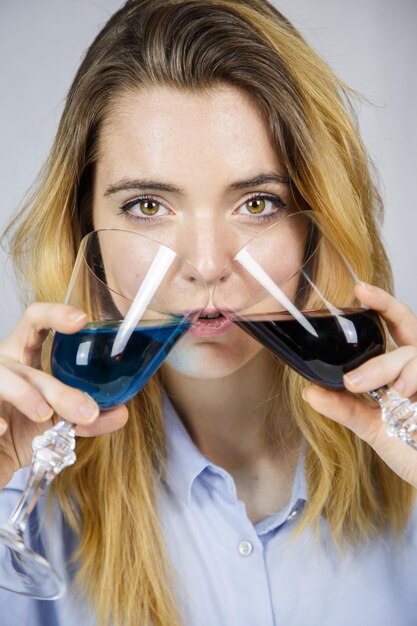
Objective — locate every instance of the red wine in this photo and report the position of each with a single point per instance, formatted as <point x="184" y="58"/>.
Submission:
<point x="331" y="347"/>
<point x="84" y="360"/>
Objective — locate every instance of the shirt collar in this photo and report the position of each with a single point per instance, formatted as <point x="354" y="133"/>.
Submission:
<point x="185" y="463"/>
<point x="299" y="496"/>
<point x="184" y="460"/>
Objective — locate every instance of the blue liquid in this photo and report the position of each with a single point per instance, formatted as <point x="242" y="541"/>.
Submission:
<point x="83" y="360"/>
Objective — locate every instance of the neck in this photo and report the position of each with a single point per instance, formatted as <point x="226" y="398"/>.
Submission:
<point x="226" y="417"/>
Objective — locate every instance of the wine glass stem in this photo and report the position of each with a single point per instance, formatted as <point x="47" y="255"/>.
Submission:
<point x="52" y="451"/>
<point x="38" y="480"/>
<point x="398" y="413"/>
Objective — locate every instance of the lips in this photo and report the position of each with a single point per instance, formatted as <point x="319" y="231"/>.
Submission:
<point x="210" y="324"/>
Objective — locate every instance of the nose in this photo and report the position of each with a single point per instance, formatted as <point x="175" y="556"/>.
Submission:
<point x="210" y="250"/>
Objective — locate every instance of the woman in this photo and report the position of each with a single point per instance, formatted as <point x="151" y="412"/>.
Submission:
<point x="225" y="498"/>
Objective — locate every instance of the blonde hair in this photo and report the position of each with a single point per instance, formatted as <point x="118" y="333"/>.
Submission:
<point x="108" y="496"/>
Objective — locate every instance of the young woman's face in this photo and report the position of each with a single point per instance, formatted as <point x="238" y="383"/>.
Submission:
<point x="197" y="172"/>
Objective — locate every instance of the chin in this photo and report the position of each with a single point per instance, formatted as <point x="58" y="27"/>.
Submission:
<point x="211" y="360"/>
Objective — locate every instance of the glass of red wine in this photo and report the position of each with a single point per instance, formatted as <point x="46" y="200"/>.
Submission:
<point x="140" y="297"/>
<point x="292" y="290"/>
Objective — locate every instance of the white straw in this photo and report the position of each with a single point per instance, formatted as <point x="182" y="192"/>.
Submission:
<point x="347" y="326"/>
<point x="249" y="263"/>
<point x="159" y="267"/>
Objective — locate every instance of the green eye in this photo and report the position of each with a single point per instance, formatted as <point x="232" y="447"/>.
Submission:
<point x="149" y="207"/>
<point x="255" y="206"/>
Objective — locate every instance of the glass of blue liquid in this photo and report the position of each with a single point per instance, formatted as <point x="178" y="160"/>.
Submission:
<point x="140" y="297"/>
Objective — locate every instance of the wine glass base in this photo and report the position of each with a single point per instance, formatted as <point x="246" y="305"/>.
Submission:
<point x="25" y="572"/>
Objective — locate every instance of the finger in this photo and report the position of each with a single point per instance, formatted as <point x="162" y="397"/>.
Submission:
<point x="70" y="403"/>
<point x="401" y="321"/>
<point x="108" y="421"/>
<point x="24" y="396"/>
<point x="381" y="370"/>
<point x="32" y="328"/>
<point x="406" y="383"/>
<point x="3" y="426"/>
<point x="365" y="421"/>
<point x="347" y="409"/>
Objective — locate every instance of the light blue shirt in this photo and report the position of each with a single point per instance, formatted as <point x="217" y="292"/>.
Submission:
<point x="235" y="573"/>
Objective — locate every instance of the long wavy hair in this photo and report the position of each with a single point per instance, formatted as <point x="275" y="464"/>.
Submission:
<point x="108" y="495"/>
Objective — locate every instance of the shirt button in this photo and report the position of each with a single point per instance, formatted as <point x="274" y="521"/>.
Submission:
<point x="245" y="548"/>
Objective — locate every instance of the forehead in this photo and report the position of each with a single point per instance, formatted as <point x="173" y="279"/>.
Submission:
<point x="219" y="129"/>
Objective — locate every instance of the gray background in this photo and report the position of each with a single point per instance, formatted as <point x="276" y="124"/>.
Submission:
<point x="372" y="45"/>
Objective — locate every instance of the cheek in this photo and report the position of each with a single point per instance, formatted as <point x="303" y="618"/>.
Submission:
<point x="213" y="359"/>
<point x="126" y="260"/>
<point x="265" y="291"/>
<point x="281" y="259"/>
<point x="265" y="276"/>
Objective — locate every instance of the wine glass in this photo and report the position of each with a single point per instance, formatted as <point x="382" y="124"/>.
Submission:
<point x="291" y="288"/>
<point x="140" y="297"/>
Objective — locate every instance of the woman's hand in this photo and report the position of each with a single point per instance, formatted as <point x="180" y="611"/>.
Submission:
<point x="30" y="398"/>
<point x="397" y="368"/>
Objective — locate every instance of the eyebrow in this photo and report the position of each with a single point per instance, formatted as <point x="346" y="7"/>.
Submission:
<point x="260" y="179"/>
<point x="145" y="183"/>
<point x="140" y="183"/>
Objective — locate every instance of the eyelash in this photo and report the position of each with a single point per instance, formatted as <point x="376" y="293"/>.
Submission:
<point x="268" y="217"/>
<point x="124" y="209"/>
<point x="275" y="200"/>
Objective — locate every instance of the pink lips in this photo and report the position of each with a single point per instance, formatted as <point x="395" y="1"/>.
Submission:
<point x="210" y="327"/>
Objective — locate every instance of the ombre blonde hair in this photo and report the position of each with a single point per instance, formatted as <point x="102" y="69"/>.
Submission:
<point x="108" y="495"/>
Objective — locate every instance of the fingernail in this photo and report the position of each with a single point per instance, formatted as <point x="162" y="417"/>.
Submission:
<point x="88" y="410"/>
<point x="354" y="378"/>
<point x="44" y="411"/>
<point x="76" y="316"/>
<point x="304" y="394"/>
<point x="3" y="426"/>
